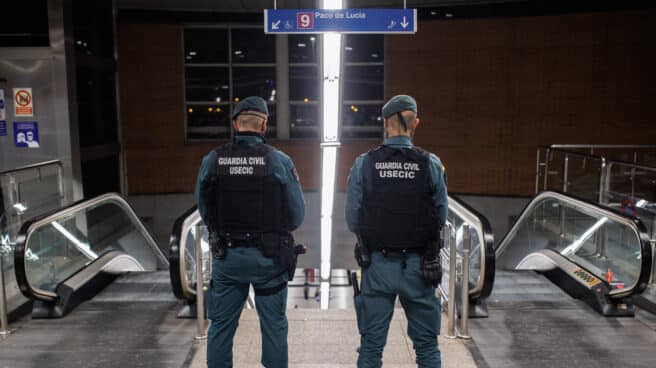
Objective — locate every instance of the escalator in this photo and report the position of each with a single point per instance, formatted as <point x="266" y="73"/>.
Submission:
<point x="596" y="254"/>
<point x="566" y="275"/>
<point x="71" y="254"/>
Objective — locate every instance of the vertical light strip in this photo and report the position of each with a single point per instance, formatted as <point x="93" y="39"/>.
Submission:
<point x="332" y="58"/>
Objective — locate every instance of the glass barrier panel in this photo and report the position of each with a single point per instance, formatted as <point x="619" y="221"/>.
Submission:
<point x="609" y="249"/>
<point x="58" y="248"/>
<point x="25" y="193"/>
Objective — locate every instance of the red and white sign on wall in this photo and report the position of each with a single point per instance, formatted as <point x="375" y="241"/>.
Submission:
<point x="23" y="102"/>
<point x="305" y="20"/>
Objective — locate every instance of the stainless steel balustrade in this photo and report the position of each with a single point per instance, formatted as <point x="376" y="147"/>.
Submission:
<point x="612" y="246"/>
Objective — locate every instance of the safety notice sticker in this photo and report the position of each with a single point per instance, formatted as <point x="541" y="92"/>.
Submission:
<point x="3" y="121"/>
<point x="26" y="134"/>
<point x="23" y="102"/>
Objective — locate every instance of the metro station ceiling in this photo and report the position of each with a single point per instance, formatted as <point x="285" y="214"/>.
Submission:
<point x="259" y="5"/>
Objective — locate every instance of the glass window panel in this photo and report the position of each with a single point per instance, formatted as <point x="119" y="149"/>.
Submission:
<point x="362" y="121"/>
<point x="364" y="82"/>
<point x="208" y="121"/>
<point x="303" y="83"/>
<point x="254" y="82"/>
<point x="208" y="84"/>
<point x="206" y="45"/>
<point x="303" y="48"/>
<point x="304" y="120"/>
<point x="364" y="48"/>
<point x="252" y="46"/>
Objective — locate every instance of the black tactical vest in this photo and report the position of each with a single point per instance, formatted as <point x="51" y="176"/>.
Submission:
<point x="397" y="207"/>
<point x="249" y="199"/>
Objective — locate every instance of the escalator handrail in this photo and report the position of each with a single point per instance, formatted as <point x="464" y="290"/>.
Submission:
<point x="176" y="257"/>
<point x="486" y="236"/>
<point x="28" y="226"/>
<point x="613" y="214"/>
<point x="33" y="166"/>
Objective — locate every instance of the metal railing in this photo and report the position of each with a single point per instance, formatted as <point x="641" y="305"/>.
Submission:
<point x="603" y="187"/>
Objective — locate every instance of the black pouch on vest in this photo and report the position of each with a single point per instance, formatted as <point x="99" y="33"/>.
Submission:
<point x="270" y="244"/>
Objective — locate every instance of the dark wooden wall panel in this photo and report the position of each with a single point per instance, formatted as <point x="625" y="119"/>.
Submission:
<point x="489" y="92"/>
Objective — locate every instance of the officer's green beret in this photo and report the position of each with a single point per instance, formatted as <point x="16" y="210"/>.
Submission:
<point x="399" y="103"/>
<point x="254" y="104"/>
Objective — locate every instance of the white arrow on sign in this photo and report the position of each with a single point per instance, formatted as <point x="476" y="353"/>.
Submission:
<point x="275" y="25"/>
<point x="404" y="24"/>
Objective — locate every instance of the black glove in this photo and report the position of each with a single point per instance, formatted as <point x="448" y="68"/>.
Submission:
<point x="431" y="269"/>
<point x="362" y="254"/>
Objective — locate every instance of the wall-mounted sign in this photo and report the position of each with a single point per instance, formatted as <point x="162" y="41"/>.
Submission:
<point x="23" y="102"/>
<point x="340" y="20"/>
<point x="26" y="134"/>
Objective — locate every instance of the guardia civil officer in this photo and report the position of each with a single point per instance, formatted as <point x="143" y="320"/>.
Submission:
<point x="249" y="196"/>
<point x="396" y="204"/>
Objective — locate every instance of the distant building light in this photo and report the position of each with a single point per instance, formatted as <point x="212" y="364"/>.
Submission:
<point x="188" y="57"/>
<point x="210" y="109"/>
<point x="301" y="45"/>
<point x="306" y="100"/>
<point x="433" y="13"/>
<point x="218" y="109"/>
<point x="225" y="86"/>
<point x="238" y="52"/>
<point x="190" y="110"/>
<point x="448" y="15"/>
<point x="192" y="53"/>
<point x="348" y="48"/>
<point x="375" y="56"/>
<point x="313" y="38"/>
<point x="78" y="42"/>
<point x="236" y="99"/>
<point x="218" y="99"/>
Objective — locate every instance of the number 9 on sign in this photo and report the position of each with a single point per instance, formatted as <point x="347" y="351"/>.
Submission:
<point x="304" y="21"/>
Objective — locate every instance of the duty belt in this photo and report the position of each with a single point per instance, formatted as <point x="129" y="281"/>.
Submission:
<point x="248" y="240"/>
<point x="401" y="253"/>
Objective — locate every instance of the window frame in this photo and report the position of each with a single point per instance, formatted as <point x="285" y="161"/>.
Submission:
<point x="342" y="127"/>
<point x="229" y="65"/>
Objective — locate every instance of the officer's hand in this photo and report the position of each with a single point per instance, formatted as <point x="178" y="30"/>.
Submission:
<point x="431" y="269"/>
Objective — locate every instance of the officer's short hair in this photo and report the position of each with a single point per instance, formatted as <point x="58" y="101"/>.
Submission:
<point x="250" y="121"/>
<point x="408" y="116"/>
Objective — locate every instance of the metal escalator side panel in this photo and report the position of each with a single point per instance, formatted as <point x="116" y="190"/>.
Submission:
<point x="483" y="249"/>
<point x="609" y="244"/>
<point x="178" y="266"/>
<point x="54" y="248"/>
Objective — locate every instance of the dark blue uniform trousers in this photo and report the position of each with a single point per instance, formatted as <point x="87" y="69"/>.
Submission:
<point x="231" y="279"/>
<point x="382" y="281"/>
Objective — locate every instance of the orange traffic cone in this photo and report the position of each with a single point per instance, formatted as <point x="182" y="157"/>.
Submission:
<point x="609" y="276"/>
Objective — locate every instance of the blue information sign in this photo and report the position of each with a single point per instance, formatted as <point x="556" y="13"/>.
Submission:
<point x="342" y="20"/>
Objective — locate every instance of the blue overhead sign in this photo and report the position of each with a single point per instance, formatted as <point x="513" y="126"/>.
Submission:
<point x="342" y="20"/>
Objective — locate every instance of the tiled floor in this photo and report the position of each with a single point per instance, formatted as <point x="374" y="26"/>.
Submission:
<point x="319" y="339"/>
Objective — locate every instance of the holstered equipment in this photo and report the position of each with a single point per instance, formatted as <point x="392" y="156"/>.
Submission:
<point x="431" y="265"/>
<point x="362" y="254"/>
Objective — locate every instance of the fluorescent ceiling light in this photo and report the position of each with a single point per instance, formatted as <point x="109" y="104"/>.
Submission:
<point x="332" y="4"/>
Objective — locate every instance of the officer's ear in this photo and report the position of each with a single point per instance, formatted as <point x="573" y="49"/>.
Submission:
<point x="415" y="124"/>
<point x="235" y="125"/>
<point x="264" y="125"/>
